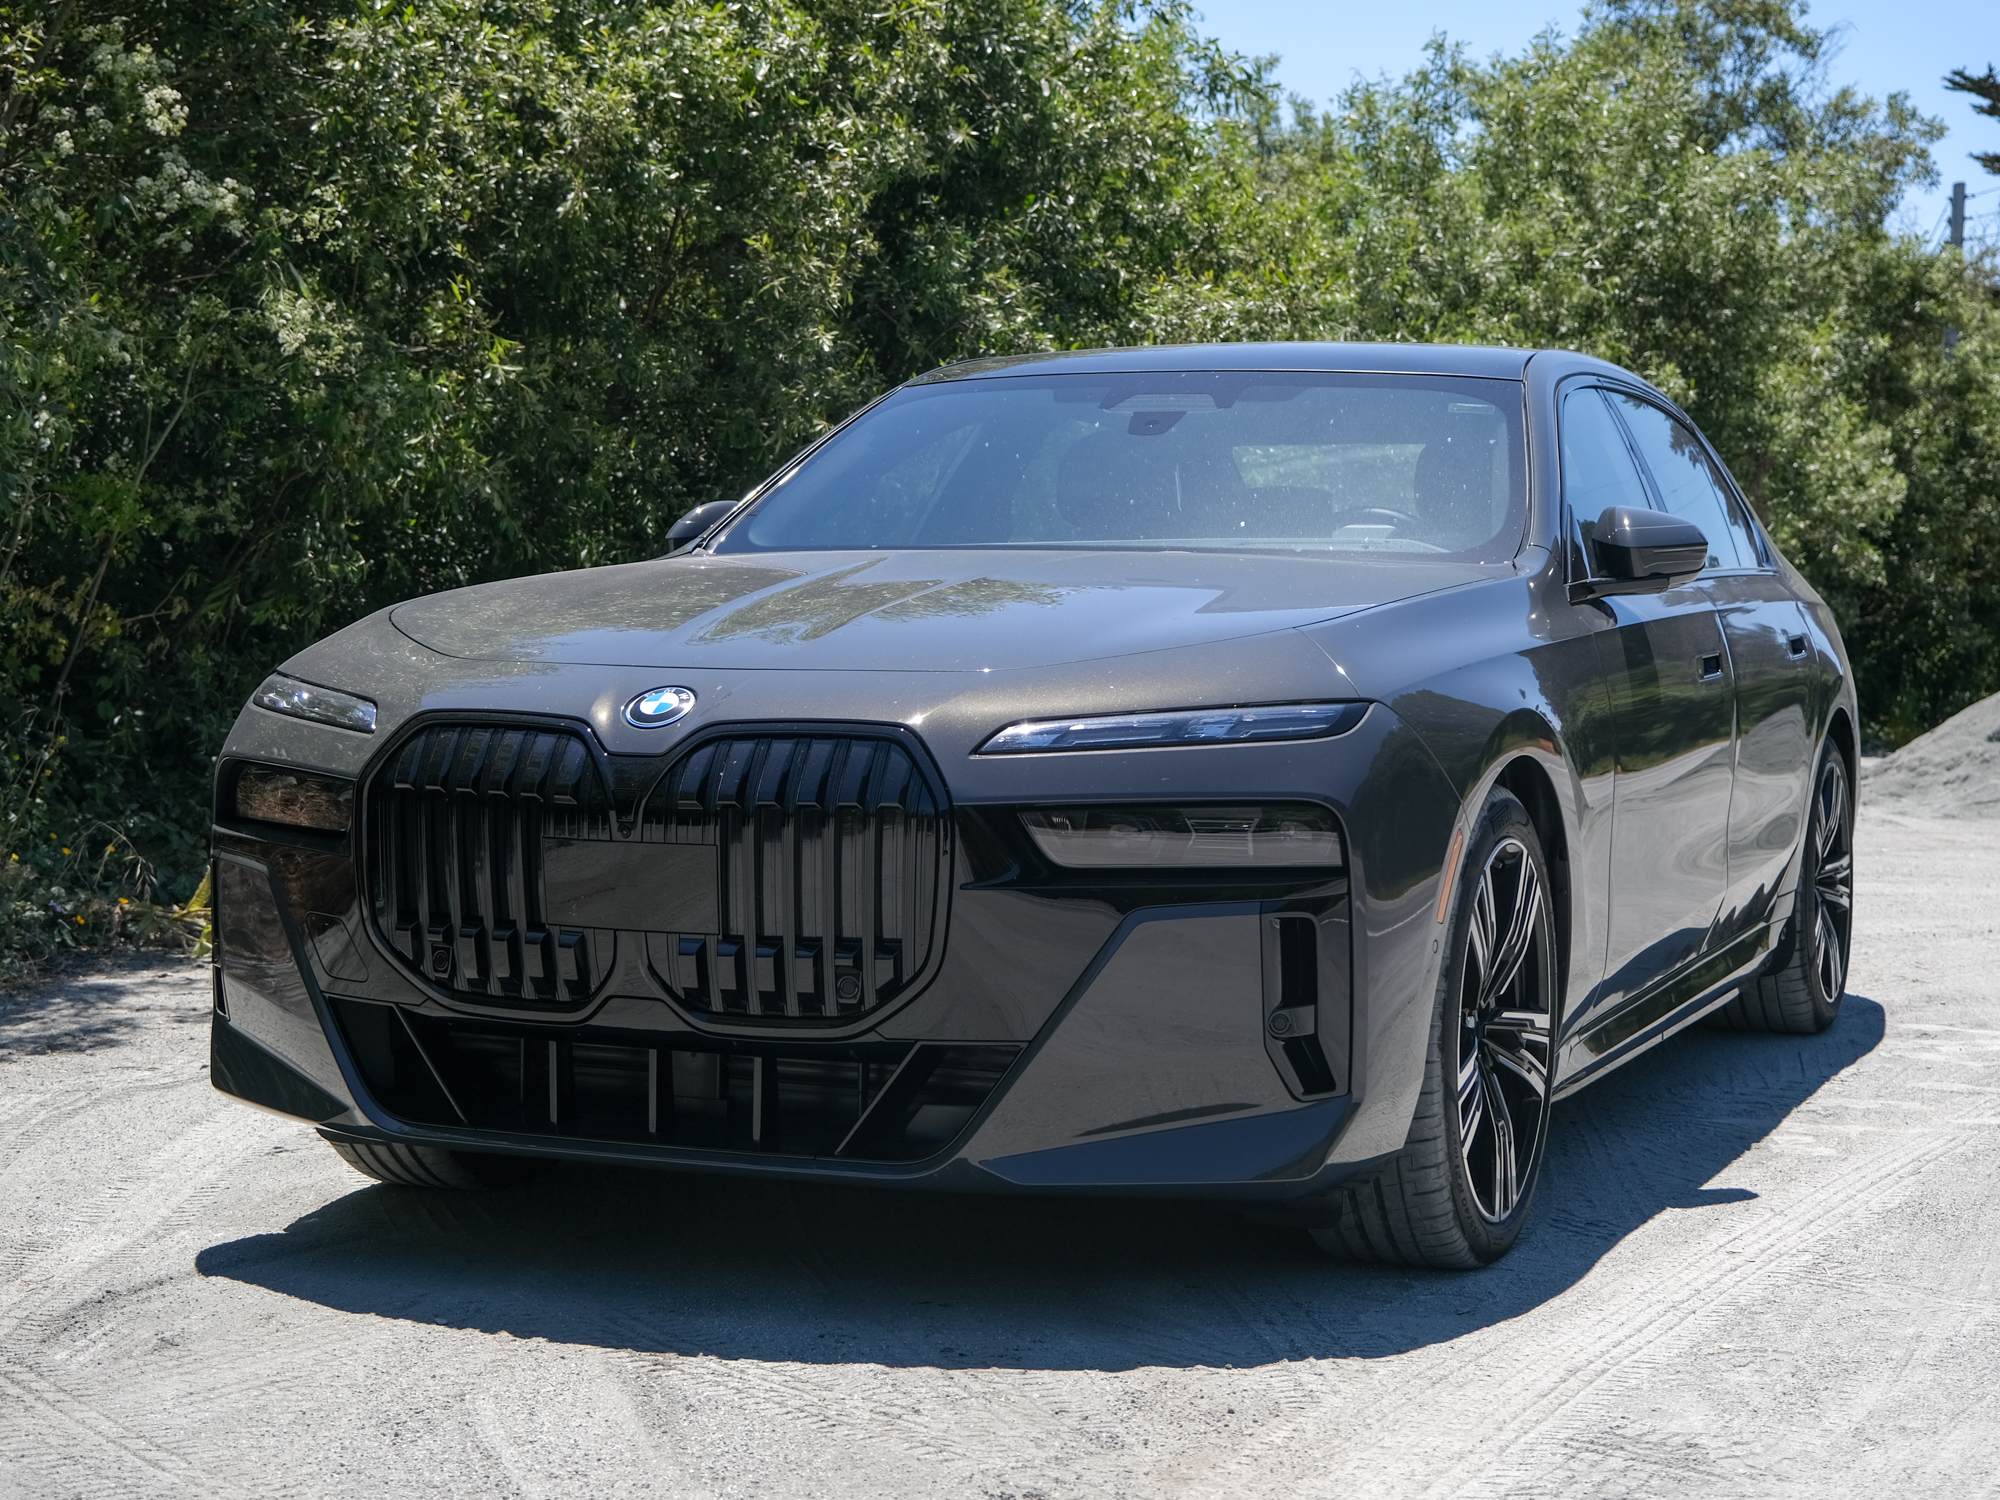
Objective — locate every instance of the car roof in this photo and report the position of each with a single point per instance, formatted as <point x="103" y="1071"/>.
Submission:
<point x="1401" y="359"/>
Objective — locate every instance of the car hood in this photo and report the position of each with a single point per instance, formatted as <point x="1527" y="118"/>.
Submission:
<point x="941" y="611"/>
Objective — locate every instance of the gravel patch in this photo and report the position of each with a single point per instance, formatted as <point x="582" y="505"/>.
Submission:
<point x="1951" y="772"/>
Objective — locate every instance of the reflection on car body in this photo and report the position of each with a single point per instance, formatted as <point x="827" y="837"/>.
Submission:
<point x="1272" y="773"/>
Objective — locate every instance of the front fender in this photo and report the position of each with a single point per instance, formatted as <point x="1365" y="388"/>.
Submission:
<point x="1531" y="709"/>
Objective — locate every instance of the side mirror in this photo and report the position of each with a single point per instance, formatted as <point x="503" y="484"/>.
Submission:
<point x="697" y="521"/>
<point x="1641" y="551"/>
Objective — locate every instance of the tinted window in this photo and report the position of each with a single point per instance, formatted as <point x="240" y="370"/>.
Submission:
<point x="1426" y="465"/>
<point x="1597" y="467"/>
<point x="1688" y="483"/>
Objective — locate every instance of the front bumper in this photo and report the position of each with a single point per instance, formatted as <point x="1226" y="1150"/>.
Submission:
<point x="1068" y="1039"/>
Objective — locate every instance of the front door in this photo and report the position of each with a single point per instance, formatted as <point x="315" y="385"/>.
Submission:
<point x="1667" y="670"/>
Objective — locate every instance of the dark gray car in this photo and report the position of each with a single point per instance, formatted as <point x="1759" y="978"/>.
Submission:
<point x="1269" y="773"/>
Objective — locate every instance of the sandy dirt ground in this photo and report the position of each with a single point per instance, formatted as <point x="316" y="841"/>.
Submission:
<point x="1761" y="1266"/>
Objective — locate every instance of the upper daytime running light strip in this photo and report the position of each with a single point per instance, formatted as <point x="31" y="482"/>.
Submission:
<point x="1187" y="726"/>
<point x="301" y="700"/>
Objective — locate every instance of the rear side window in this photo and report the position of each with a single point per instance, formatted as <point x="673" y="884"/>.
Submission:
<point x="1688" y="483"/>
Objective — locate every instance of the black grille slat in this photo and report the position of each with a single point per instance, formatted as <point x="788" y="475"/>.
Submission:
<point x="829" y="855"/>
<point x="810" y="895"/>
<point x="456" y="822"/>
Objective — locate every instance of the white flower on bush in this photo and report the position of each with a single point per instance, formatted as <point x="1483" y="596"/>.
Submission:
<point x="161" y="110"/>
<point x="180" y="187"/>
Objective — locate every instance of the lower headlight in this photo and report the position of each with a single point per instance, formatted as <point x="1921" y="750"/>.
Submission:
<point x="272" y="794"/>
<point x="1276" y="836"/>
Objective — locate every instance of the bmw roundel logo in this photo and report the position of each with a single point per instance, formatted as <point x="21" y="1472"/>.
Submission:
<point x="661" y="706"/>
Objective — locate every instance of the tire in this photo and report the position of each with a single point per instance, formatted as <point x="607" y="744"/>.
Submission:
<point x="1458" y="1193"/>
<point x="1800" y="994"/>
<point x="431" y="1166"/>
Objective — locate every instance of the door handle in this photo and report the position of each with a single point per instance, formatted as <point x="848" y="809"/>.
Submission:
<point x="1711" y="667"/>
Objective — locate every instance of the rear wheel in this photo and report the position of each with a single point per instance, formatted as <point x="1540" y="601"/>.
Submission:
<point x="1802" y="994"/>
<point x="1459" y="1192"/>
<point x="431" y="1166"/>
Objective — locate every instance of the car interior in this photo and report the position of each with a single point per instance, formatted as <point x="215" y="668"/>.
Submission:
<point x="1401" y="464"/>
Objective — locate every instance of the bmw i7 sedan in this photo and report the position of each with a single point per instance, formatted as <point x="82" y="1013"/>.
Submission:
<point x="1271" y="773"/>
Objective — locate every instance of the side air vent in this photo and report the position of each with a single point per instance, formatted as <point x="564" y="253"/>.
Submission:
<point x="830" y="876"/>
<point x="457" y="823"/>
<point x="1306" y="1009"/>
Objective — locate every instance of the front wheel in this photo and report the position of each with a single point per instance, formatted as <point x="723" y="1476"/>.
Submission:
<point x="1801" y="995"/>
<point x="1458" y="1193"/>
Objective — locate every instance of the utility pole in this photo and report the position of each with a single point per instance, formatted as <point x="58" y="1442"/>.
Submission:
<point x="1956" y="236"/>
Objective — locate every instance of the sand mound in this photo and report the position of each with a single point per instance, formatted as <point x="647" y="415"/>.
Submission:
<point x="1952" y="772"/>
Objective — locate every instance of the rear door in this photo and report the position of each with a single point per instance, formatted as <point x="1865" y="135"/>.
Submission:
<point x="1667" y="671"/>
<point x="1770" y="656"/>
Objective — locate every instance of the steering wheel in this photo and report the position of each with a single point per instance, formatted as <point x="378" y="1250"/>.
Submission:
<point x="1372" y="515"/>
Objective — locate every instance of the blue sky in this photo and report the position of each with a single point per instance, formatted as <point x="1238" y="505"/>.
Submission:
<point x="1886" y="45"/>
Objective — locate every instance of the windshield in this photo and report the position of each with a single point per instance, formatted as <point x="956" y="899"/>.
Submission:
<point x="1411" y="464"/>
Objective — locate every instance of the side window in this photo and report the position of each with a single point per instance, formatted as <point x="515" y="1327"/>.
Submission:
<point x="1597" y="467"/>
<point x="1688" y="483"/>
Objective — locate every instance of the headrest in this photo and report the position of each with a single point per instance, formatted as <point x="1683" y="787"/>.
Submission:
<point x="1454" y="486"/>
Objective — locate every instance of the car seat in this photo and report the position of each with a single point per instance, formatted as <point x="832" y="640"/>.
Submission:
<point x="1454" y="487"/>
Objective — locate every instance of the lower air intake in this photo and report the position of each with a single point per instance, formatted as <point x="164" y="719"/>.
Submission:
<point x="865" y="1102"/>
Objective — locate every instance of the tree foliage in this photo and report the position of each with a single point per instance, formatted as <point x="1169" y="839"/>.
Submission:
<point x="1985" y="87"/>
<point x="310" y="305"/>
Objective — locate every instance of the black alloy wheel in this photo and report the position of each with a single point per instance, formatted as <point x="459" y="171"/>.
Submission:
<point x="1831" y="920"/>
<point x="1800" y="994"/>
<point x="1504" y="1045"/>
<point x="1458" y="1194"/>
